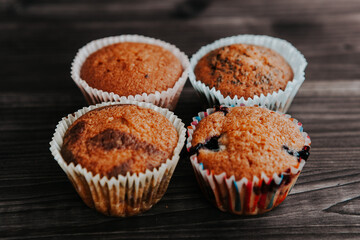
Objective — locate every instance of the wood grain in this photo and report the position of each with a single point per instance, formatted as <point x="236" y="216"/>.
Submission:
<point x="38" y="40"/>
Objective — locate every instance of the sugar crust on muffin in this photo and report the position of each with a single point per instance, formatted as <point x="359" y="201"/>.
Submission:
<point x="131" y="68"/>
<point x="118" y="139"/>
<point x="247" y="141"/>
<point x="244" y="70"/>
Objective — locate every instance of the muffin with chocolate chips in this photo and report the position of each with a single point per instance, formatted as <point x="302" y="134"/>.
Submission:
<point x="119" y="157"/>
<point x="248" y="70"/>
<point x="244" y="70"/>
<point x="259" y="152"/>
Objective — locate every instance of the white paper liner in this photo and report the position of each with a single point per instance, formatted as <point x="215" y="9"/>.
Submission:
<point x="121" y="195"/>
<point x="167" y="99"/>
<point x="276" y="101"/>
<point x="244" y="197"/>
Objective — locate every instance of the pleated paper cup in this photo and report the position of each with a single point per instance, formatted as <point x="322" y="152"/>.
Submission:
<point x="276" y="101"/>
<point x="246" y="196"/>
<point x="166" y="99"/>
<point x="122" y="195"/>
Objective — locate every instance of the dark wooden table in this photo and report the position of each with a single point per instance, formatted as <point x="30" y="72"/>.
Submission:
<point x="38" y="40"/>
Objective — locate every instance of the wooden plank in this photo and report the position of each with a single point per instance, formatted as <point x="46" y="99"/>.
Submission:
<point x="38" y="40"/>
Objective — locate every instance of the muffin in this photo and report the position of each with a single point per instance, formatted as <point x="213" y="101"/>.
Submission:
<point x="248" y="70"/>
<point x="258" y="152"/>
<point x="119" y="139"/>
<point x="244" y="70"/>
<point x="119" y="157"/>
<point x="131" y="67"/>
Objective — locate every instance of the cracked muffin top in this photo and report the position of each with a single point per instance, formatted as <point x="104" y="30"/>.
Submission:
<point x="244" y="70"/>
<point x="131" y="68"/>
<point x="118" y="139"/>
<point x="246" y="141"/>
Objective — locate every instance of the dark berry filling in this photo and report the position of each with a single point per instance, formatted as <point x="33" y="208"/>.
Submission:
<point x="195" y="149"/>
<point x="303" y="154"/>
<point x="223" y="109"/>
<point x="211" y="144"/>
<point x="287" y="177"/>
<point x="289" y="151"/>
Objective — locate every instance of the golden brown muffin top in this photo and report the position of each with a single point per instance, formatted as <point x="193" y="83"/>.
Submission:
<point x="117" y="139"/>
<point x="246" y="141"/>
<point x="244" y="70"/>
<point x="131" y="68"/>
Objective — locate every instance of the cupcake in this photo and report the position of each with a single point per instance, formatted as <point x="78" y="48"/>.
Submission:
<point x="246" y="159"/>
<point x="248" y="70"/>
<point x="130" y="67"/>
<point x="119" y="157"/>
